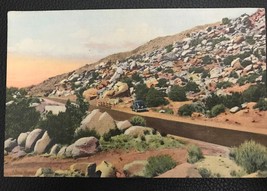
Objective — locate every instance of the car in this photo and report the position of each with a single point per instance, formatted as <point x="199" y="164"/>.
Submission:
<point x="139" y="105"/>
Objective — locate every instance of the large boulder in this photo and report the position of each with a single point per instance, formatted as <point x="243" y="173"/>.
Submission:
<point x="87" y="169"/>
<point x="69" y="149"/>
<point x="107" y="169"/>
<point x="55" y="149"/>
<point x="62" y="151"/>
<point x="90" y="94"/>
<point x="234" y="109"/>
<point x="42" y="145"/>
<point x="32" y="138"/>
<point x="135" y="168"/>
<point x="85" y="146"/>
<point x="105" y="123"/>
<point x="138" y="131"/>
<point x="22" y="138"/>
<point x="123" y="125"/>
<point x="10" y="144"/>
<point x="184" y="170"/>
<point x="91" y="120"/>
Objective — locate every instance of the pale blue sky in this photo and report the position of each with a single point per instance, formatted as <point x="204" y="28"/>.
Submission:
<point x="94" y="34"/>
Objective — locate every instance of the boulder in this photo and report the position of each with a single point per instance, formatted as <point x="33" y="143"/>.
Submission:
<point x="235" y="64"/>
<point x="85" y="146"/>
<point x="22" y="138"/>
<point x="10" y="144"/>
<point x="45" y="172"/>
<point x="248" y="68"/>
<point x="16" y="149"/>
<point x="184" y="170"/>
<point x="69" y="149"/>
<point x="105" y="124"/>
<point x="120" y="88"/>
<point x="108" y="93"/>
<point x="20" y="154"/>
<point x="81" y="167"/>
<point x="238" y="39"/>
<point x="244" y="105"/>
<point x="62" y="151"/>
<point x="135" y="168"/>
<point x="90" y="94"/>
<point x="138" y="131"/>
<point x="107" y="169"/>
<point x="123" y="125"/>
<point x="91" y="120"/>
<point x="42" y="144"/>
<point x="55" y="149"/>
<point x="32" y="138"/>
<point x="234" y="109"/>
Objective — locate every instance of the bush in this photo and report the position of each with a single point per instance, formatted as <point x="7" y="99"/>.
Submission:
<point x="158" y="165"/>
<point x="261" y="104"/>
<point x="233" y="74"/>
<point x="194" y="154"/>
<point x="224" y="84"/>
<point x="196" y="70"/>
<point x="162" y="82"/>
<point x="177" y="94"/>
<point x="192" y="86"/>
<point x="245" y="63"/>
<point x="186" y="110"/>
<point x="155" y="98"/>
<point x="228" y="60"/>
<point x="205" y="173"/>
<point x="205" y="74"/>
<point x="251" y="156"/>
<point x="217" y="109"/>
<point x="169" y="70"/>
<point x="211" y="101"/>
<point x="141" y="91"/>
<point x="254" y="93"/>
<point x="206" y="59"/>
<point x="233" y="100"/>
<point x="136" y="77"/>
<point x="225" y="21"/>
<point x="138" y="121"/>
<point x="250" y="40"/>
<point x="20" y="118"/>
<point x="111" y="133"/>
<point x="128" y="81"/>
<point x="85" y="133"/>
<point x="169" y="48"/>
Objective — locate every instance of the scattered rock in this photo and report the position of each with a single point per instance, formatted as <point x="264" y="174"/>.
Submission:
<point x="135" y="168"/>
<point x="107" y="169"/>
<point x="81" y="167"/>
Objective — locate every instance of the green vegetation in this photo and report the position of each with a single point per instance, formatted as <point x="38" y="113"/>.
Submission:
<point x="245" y="63"/>
<point x="229" y="101"/>
<point x="195" y="42"/>
<point x="111" y="133"/>
<point x="206" y="60"/>
<point x="169" y="48"/>
<point x="217" y="109"/>
<point x="233" y="74"/>
<point x="169" y="70"/>
<point x="141" y="143"/>
<point x="136" y="77"/>
<point x="138" y="121"/>
<point x="162" y="82"/>
<point x="205" y="173"/>
<point x="251" y="156"/>
<point x="85" y="133"/>
<point x="250" y="40"/>
<point x="224" y="84"/>
<point x="186" y="110"/>
<point x="20" y="118"/>
<point x="158" y="165"/>
<point x="196" y="69"/>
<point x="218" y="40"/>
<point x="192" y="86"/>
<point x="141" y="91"/>
<point x="211" y="101"/>
<point x="194" y="154"/>
<point x="254" y="93"/>
<point x="128" y="81"/>
<point x="261" y="104"/>
<point x="177" y="93"/>
<point x="225" y="21"/>
<point x="205" y="74"/>
<point x="155" y="98"/>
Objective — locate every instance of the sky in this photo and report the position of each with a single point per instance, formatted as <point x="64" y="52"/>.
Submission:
<point x="47" y="43"/>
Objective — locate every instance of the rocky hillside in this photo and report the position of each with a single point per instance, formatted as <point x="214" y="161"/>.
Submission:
<point x="221" y="58"/>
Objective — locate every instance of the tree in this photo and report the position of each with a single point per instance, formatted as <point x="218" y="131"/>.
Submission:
<point x="136" y="77"/>
<point x="177" y="93"/>
<point x="162" y="82"/>
<point x="20" y="118"/>
<point x="191" y="86"/>
<point x="211" y="101"/>
<point x="155" y="98"/>
<point x="225" y="21"/>
<point x="128" y="81"/>
<point x="141" y="91"/>
<point x="254" y="93"/>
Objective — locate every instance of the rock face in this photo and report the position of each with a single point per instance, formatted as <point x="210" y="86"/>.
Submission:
<point x="85" y="147"/>
<point x="32" y="138"/>
<point x="135" y="168"/>
<point x="184" y="170"/>
<point x="107" y="169"/>
<point x="123" y="125"/>
<point x="22" y="138"/>
<point x="10" y="144"/>
<point x="101" y="122"/>
<point x="55" y="149"/>
<point x="42" y="144"/>
<point x="138" y="131"/>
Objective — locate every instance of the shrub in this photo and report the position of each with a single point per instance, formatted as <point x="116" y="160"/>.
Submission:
<point x="111" y="133"/>
<point x="225" y="21"/>
<point x="241" y="81"/>
<point x="162" y="82"/>
<point x="205" y="74"/>
<point x="217" y="109"/>
<point x="211" y="101"/>
<point x="250" y="40"/>
<point x="251" y="156"/>
<point x="138" y="121"/>
<point x="261" y="104"/>
<point x="229" y="101"/>
<point x="128" y="81"/>
<point x="254" y="93"/>
<point x="141" y="91"/>
<point x="169" y="48"/>
<point x="155" y="98"/>
<point x="169" y="111"/>
<point x="194" y="154"/>
<point x="205" y="173"/>
<point x="245" y="63"/>
<point x="196" y="70"/>
<point x="85" y="133"/>
<point x="186" y="110"/>
<point x="192" y="86"/>
<point x="195" y="42"/>
<point x="206" y="59"/>
<point x="136" y="77"/>
<point x="20" y="118"/>
<point x="224" y="84"/>
<point x="177" y="94"/>
<point x="169" y="70"/>
<point x="233" y="74"/>
<point x="228" y="60"/>
<point x="158" y="165"/>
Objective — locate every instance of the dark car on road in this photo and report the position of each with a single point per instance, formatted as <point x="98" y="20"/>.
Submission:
<point x="139" y="105"/>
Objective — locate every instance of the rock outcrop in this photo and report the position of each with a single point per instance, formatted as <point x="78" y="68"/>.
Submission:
<point x="32" y="138"/>
<point x="85" y="147"/>
<point x="42" y="145"/>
